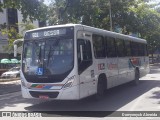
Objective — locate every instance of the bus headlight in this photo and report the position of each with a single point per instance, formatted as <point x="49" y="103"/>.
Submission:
<point x="23" y="83"/>
<point x="26" y="85"/>
<point x="69" y="82"/>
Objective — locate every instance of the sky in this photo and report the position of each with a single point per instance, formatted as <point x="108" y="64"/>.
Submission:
<point x="47" y="1"/>
<point x="157" y="0"/>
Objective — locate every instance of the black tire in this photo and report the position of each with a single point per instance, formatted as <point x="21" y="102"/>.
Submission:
<point x="100" y="90"/>
<point x="136" y="80"/>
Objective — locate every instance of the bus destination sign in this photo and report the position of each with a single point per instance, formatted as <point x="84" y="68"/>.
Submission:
<point x="47" y="33"/>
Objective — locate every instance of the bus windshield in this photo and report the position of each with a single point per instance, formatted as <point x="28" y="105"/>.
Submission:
<point x="51" y="56"/>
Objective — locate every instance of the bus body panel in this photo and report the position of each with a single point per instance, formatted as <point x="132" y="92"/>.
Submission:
<point x="70" y="93"/>
<point x="144" y="67"/>
<point x="123" y="70"/>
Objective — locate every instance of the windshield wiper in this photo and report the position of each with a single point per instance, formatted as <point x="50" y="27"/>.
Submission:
<point x="49" y="55"/>
<point x="40" y="61"/>
<point x="50" y="49"/>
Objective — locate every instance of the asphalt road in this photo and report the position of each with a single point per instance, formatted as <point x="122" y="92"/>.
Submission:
<point x="144" y="97"/>
<point x="9" y="87"/>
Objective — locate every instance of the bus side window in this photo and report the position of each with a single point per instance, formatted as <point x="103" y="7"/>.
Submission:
<point x="134" y="48"/>
<point x="146" y="50"/>
<point x="141" y="49"/>
<point x="120" y="47"/>
<point x="110" y="47"/>
<point x="127" y="48"/>
<point x="99" y="46"/>
<point x="84" y="54"/>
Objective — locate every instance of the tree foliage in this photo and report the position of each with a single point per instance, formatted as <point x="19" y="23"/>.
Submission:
<point x="12" y="34"/>
<point x="26" y="26"/>
<point x="32" y="9"/>
<point x="148" y="25"/>
<point x="132" y="16"/>
<point x="92" y="12"/>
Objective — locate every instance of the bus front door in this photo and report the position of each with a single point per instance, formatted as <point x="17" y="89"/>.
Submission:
<point x="85" y="68"/>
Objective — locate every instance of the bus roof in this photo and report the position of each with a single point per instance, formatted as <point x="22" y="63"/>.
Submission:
<point x="113" y="34"/>
<point x="95" y="30"/>
<point x="55" y="26"/>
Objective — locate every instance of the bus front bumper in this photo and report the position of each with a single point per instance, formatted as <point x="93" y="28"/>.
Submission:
<point x="71" y="93"/>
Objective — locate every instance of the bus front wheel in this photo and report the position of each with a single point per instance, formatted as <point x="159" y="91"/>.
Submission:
<point x="100" y="89"/>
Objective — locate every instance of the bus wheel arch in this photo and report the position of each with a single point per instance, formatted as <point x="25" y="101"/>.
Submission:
<point x="101" y="86"/>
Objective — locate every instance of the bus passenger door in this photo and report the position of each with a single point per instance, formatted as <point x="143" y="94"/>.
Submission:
<point x="85" y="68"/>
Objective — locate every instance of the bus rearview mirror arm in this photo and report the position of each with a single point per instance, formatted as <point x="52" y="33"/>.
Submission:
<point x="15" y="46"/>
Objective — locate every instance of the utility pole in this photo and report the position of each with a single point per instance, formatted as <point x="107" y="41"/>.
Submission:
<point x="110" y="16"/>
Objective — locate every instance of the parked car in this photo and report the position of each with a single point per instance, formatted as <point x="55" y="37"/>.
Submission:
<point x="12" y="73"/>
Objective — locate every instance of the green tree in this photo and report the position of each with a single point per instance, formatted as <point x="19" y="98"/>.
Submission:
<point x="26" y="26"/>
<point x="147" y="24"/>
<point x="132" y="16"/>
<point x="12" y="34"/>
<point x="91" y="12"/>
<point x="32" y="9"/>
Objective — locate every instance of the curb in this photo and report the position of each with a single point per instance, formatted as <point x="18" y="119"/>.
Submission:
<point x="8" y="80"/>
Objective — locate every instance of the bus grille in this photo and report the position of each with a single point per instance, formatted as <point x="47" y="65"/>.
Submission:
<point x="38" y="94"/>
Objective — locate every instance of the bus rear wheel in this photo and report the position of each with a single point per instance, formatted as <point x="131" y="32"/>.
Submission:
<point x="136" y="80"/>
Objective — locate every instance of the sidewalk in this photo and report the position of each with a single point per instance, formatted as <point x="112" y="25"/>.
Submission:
<point x="8" y="80"/>
<point x="155" y="64"/>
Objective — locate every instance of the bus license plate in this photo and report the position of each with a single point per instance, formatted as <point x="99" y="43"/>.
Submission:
<point x="43" y="97"/>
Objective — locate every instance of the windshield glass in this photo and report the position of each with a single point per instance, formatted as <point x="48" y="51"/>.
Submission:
<point x="48" y="57"/>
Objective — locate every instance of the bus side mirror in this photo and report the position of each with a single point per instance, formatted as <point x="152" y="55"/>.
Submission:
<point x="81" y="52"/>
<point x="15" y="50"/>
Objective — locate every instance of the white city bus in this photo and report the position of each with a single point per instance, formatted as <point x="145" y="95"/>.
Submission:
<point x="72" y="61"/>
